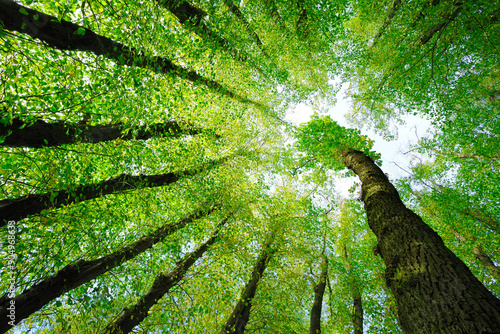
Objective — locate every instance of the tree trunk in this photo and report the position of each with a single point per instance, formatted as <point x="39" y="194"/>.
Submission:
<point x="356" y="296"/>
<point x="64" y="35"/>
<point x="435" y="292"/>
<point x="134" y="315"/>
<point x="233" y="8"/>
<point x="82" y="271"/>
<point x="241" y="312"/>
<point x="319" y="292"/>
<point x="192" y="17"/>
<point x="302" y="24"/>
<point x="22" y="207"/>
<point x="43" y="134"/>
<point x="395" y="7"/>
<point x="479" y="253"/>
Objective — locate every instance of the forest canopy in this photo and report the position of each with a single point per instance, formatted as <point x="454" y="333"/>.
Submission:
<point x="151" y="180"/>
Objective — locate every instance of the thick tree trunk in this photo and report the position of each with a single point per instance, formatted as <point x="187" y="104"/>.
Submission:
<point x="319" y="292"/>
<point x="435" y="292"/>
<point x="241" y="312"/>
<point x="64" y="35"/>
<point x="479" y="253"/>
<point x="43" y="134"/>
<point x="82" y="271"/>
<point x="134" y="315"/>
<point x="19" y="208"/>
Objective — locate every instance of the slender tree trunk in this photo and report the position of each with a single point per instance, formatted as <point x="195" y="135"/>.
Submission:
<point x="486" y="261"/>
<point x="395" y="7"/>
<point x="356" y="296"/>
<point x="19" y="208"/>
<point x="438" y="27"/>
<point x="64" y="35"/>
<point x="302" y="24"/>
<point x="43" y="134"/>
<point x="192" y="17"/>
<point x="435" y="291"/>
<point x="82" y="271"/>
<point x="241" y="312"/>
<point x="233" y="8"/>
<point x="319" y="292"/>
<point x="134" y="315"/>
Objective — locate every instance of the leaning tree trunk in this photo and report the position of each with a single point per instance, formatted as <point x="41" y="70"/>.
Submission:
<point x="192" y="17"/>
<point x="134" y="315"/>
<point x="82" y="271"/>
<point x="478" y="251"/>
<point x="241" y="312"/>
<point x="233" y="8"/>
<point x="19" y="208"/>
<point x="43" y="134"/>
<point x="319" y="292"/>
<point x="65" y="35"/>
<point x="434" y="290"/>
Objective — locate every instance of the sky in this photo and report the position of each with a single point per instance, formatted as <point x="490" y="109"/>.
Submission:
<point x="392" y="151"/>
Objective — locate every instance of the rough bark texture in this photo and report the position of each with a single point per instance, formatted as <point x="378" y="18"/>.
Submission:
<point x="435" y="292"/>
<point x="19" y="208"/>
<point x="43" y="134"/>
<point x="82" y="271"/>
<point x="64" y="35"/>
<point x="134" y="315"/>
<point x="241" y="312"/>
<point x="319" y="292"/>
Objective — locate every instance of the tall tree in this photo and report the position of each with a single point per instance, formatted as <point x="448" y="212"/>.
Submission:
<point x="319" y="291"/>
<point x="43" y="134"/>
<point x="83" y="271"/>
<point x="65" y="35"/>
<point x="132" y="316"/>
<point x="19" y="208"/>
<point x="241" y="313"/>
<point x="434" y="289"/>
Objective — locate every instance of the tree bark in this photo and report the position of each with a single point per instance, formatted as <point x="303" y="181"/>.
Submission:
<point x="64" y="35"/>
<point x="479" y="253"/>
<point x="82" y="271"/>
<point x="22" y="207"/>
<point x="241" y="312"/>
<point x="435" y="292"/>
<point x="134" y="315"/>
<point x="319" y="292"/>
<point x="43" y="134"/>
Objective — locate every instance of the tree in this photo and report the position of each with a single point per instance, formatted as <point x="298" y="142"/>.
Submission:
<point x="132" y="316"/>
<point x="40" y="133"/>
<point x="66" y="35"/>
<point x="236" y="70"/>
<point x="82" y="271"/>
<point x="405" y="242"/>
<point x="25" y="206"/>
<point x="241" y="313"/>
